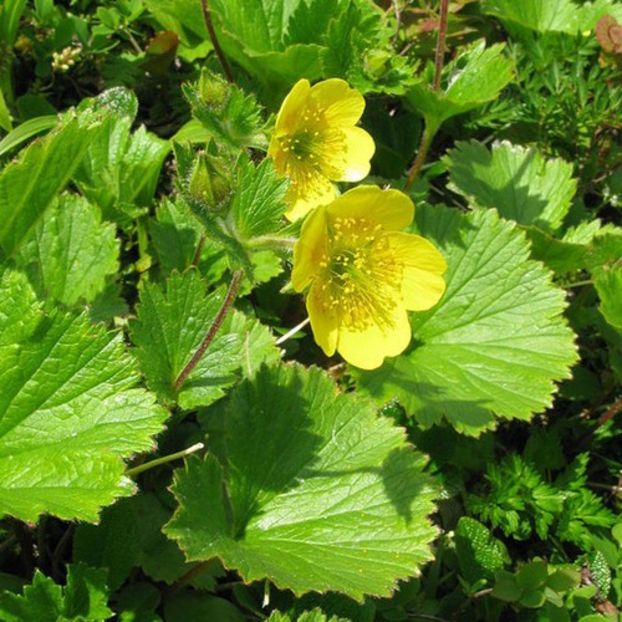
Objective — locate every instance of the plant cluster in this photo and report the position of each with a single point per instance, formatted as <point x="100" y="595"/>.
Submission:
<point x="310" y="310"/>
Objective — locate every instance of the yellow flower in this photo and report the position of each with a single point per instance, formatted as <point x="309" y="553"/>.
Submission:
<point x="362" y="274"/>
<point x="315" y="141"/>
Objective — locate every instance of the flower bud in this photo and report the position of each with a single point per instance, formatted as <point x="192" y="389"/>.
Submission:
<point x="210" y="183"/>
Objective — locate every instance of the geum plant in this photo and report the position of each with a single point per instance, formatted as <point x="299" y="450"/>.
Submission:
<point x="302" y="484"/>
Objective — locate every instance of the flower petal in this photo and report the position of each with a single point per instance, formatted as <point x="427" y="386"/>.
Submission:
<point x="391" y="209"/>
<point x="292" y="108"/>
<point x="310" y="249"/>
<point x="422" y="283"/>
<point x="324" y="322"/>
<point x="367" y="348"/>
<point x="316" y="191"/>
<point x="341" y="104"/>
<point x="353" y="163"/>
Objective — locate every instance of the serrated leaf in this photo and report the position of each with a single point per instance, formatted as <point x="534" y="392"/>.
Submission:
<point x="516" y="181"/>
<point x="538" y="15"/>
<point x="170" y="326"/>
<point x="69" y="414"/>
<point x="479" y="553"/>
<point x="496" y="343"/>
<point x="322" y="495"/>
<point x="252" y="32"/>
<point x="70" y="252"/>
<point x="120" y="169"/>
<point x="31" y="182"/>
<point x="259" y="203"/>
<point x="608" y="284"/>
<point x="83" y="599"/>
<point x="474" y="78"/>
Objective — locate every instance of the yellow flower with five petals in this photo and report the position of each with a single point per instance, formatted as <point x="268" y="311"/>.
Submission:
<point x="316" y="142"/>
<point x="362" y="273"/>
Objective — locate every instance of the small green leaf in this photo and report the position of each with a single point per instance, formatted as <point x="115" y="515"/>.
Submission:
<point x="69" y="414"/>
<point x="322" y="495"/>
<point x="506" y="587"/>
<point x="83" y="599"/>
<point x="496" y="342"/>
<point x="70" y="252"/>
<point x="516" y="181"/>
<point x="477" y="76"/>
<point x="564" y="580"/>
<point x="532" y="575"/>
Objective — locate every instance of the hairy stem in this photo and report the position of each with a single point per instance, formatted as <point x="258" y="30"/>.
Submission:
<point x="207" y="16"/>
<point x="439" y="57"/>
<point x="419" y="161"/>
<point x="439" y="61"/>
<point x="232" y="292"/>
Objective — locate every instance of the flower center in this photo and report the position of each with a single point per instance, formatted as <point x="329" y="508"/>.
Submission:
<point x="361" y="276"/>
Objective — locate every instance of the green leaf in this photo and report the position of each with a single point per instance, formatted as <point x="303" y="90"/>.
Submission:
<point x="31" y="182"/>
<point x="70" y="252"/>
<point x="495" y="344"/>
<point x="69" y="413"/>
<point x="259" y="203"/>
<point x="506" y="588"/>
<point x="121" y="169"/>
<point x="480" y="554"/>
<point x="322" y="495"/>
<point x="532" y="575"/>
<point x="515" y="180"/>
<point x="170" y="326"/>
<point x="538" y="15"/>
<point x="83" y="599"/>
<point x="26" y="130"/>
<point x="608" y="284"/>
<point x="477" y="76"/>
<point x="41" y="601"/>
<point x="86" y="594"/>
<point x="253" y="34"/>
<point x="175" y="233"/>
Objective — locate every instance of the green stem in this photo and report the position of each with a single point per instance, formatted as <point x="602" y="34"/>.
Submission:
<point x="580" y="283"/>
<point x="164" y="459"/>
<point x="232" y="292"/>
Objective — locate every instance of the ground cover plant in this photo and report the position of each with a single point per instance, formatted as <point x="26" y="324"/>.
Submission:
<point x="311" y="310"/>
